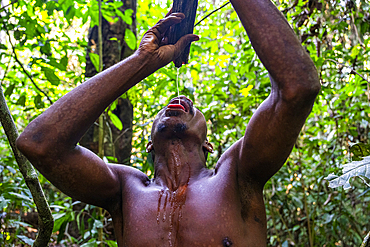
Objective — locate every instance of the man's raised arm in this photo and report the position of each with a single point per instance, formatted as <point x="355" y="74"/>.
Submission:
<point x="50" y="141"/>
<point x="274" y="127"/>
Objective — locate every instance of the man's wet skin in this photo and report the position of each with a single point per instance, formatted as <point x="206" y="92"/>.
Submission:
<point x="185" y="204"/>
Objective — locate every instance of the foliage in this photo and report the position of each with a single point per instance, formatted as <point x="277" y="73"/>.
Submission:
<point x="358" y="168"/>
<point x="43" y="57"/>
<point x="350" y="170"/>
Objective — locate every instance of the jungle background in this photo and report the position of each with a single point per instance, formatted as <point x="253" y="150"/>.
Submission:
<point x="49" y="47"/>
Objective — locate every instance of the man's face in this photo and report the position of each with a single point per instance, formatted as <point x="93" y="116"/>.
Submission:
<point x="179" y="119"/>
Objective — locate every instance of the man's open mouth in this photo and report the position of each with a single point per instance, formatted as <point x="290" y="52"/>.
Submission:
<point x="178" y="105"/>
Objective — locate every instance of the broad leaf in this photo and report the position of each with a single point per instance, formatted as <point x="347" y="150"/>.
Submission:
<point x="25" y="239"/>
<point x="360" y="150"/>
<point x="229" y="48"/>
<point x="116" y="121"/>
<point x="38" y="102"/>
<point x="130" y="39"/>
<point x="50" y="75"/>
<point x="20" y="196"/>
<point x="95" y="60"/>
<point x="350" y="170"/>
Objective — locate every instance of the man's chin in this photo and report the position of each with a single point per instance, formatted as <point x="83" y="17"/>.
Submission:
<point x="176" y="128"/>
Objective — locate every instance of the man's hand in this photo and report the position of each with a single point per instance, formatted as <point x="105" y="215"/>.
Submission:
<point x="154" y="43"/>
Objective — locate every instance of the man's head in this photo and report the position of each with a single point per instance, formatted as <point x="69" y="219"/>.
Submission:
<point x="179" y="120"/>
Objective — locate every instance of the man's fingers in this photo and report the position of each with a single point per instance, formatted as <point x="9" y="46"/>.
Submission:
<point x="165" y="23"/>
<point x="169" y="12"/>
<point x="183" y="42"/>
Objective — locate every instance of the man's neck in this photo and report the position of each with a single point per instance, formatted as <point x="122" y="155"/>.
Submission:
<point x="177" y="164"/>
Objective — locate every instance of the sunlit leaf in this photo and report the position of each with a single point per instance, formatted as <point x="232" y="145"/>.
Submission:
<point x="360" y="150"/>
<point x="9" y="90"/>
<point x="229" y="48"/>
<point x="245" y="91"/>
<point x="50" y="76"/>
<point x="116" y="121"/>
<point x="350" y="170"/>
<point x="26" y="239"/>
<point x="38" y="102"/>
<point x="21" y="101"/>
<point x="20" y="196"/>
<point x="95" y="60"/>
<point x="130" y="39"/>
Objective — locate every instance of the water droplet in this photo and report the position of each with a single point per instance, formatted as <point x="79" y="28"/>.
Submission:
<point x="159" y="205"/>
<point x="177" y="83"/>
<point x="165" y="206"/>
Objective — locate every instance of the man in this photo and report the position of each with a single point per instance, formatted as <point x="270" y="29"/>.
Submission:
<point x="185" y="204"/>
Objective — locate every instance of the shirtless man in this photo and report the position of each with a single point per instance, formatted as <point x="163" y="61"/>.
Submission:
<point x="185" y="204"/>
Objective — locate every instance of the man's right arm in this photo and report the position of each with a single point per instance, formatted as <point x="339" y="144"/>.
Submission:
<point x="273" y="129"/>
<point x="50" y="141"/>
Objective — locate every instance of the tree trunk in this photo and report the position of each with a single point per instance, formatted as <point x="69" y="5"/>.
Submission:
<point x="189" y="8"/>
<point x="45" y="219"/>
<point x="117" y="143"/>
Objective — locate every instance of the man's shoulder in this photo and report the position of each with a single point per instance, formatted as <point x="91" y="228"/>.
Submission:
<point x="230" y="158"/>
<point x="128" y="173"/>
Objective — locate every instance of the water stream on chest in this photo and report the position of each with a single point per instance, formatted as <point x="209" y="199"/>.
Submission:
<point x="170" y="206"/>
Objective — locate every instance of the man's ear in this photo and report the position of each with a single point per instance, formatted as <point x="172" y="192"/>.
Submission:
<point x="149" y="147"/>
<point x="208" y="146"/>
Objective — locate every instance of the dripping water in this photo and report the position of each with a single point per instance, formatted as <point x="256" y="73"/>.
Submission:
<point x="159" y="205"/>
<point x="177" y="83"/>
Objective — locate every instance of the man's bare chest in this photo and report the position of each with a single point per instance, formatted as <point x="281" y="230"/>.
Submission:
<point x="199" y="214"/>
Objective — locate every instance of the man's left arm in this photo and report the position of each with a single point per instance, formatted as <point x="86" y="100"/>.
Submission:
<point x="275" y="126"/>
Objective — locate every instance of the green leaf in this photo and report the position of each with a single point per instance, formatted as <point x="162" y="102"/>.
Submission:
<point x="129" y="12"/>
<point x="50" y="76"/>
<point x="3" y="47"/>
<point x="70" y="13"/>
<point x="53" y="62"/>
<point x="98" y="224"/>
<point x="130" y="39"/>
<point x="46" y="48"/>
<point x="9" y="90"/>
<point x="245" y="91"/>
<point x="350" y="170"/>
<point x="360" y="150"/>
<point x="90" y="244"/>
<point x="111" y="243"/>
<point x="38" y="102"/>
<point x="60" y="220"/>
<point x="95" y="60"/>
<point x="108" y="16"/>
<point x="3" y="203"/>
<point x="116" y="121"/>
<point x="328" y="218"/>
<point x="20" y="196"/>
<point x="118" y="4"/>
<point x="21" y="101"/>
<point x="64" y="63"/>
<point x="229" y="48"/>
<point x="128" y="16"/>
<point x="25" y="239"/>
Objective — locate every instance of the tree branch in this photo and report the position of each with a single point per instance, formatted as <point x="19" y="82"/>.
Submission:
<point x="46" y="221"/>
<point x="211" y="14"/>
<point x="352" y="70"/>
<point x="24" y="70"/>
<point x="6" y="70"/>
<point x="29" y="76"/>
<point x="13" y="2"/>
<point x="366" y="242"/>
